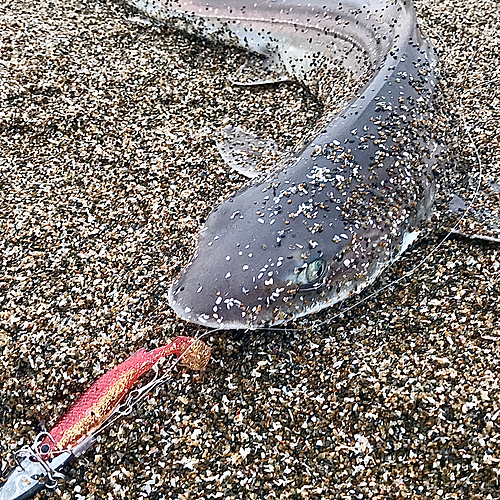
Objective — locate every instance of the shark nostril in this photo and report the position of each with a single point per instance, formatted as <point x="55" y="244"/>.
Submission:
<point x="175" y="290"/>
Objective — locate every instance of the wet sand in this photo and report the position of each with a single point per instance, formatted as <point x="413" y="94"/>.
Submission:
<point x="108" y="167"/>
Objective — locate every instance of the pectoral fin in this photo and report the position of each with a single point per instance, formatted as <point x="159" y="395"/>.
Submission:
<point x="481" y="220"/>
<point x="247" y="153"/>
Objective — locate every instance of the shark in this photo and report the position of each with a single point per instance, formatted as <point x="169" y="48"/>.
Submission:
<point x="326" y="221"/>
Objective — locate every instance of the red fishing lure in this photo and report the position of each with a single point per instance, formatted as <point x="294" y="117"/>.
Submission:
<point x="91" y="410"/>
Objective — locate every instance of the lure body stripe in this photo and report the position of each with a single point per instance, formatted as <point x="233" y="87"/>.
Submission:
<point x="98" y="402"/>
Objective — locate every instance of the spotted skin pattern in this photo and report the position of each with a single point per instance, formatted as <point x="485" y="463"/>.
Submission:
<point x="98" y="402"/>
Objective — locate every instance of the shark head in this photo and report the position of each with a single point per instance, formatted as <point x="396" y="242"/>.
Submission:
<point x="258" y="263"/>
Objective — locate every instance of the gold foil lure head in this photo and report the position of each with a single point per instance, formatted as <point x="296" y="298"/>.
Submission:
<point x="196" y="356"/>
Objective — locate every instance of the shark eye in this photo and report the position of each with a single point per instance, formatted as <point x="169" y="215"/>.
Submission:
<point x="315" y="270"/>
<point x="311" y="272"/>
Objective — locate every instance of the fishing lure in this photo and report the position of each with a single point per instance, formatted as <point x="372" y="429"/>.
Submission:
<point x="99" y="401"/>
<point x="75" y="433"/>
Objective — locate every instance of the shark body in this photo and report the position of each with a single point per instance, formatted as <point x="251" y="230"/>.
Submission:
<point x="324" y="224"/>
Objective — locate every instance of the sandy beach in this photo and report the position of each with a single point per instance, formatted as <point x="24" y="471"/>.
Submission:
<point x="108" y="168"/>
